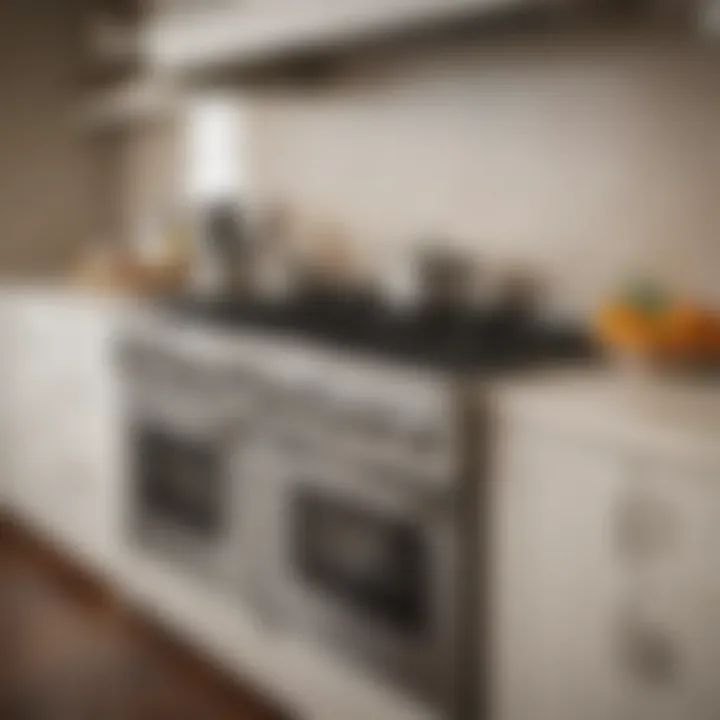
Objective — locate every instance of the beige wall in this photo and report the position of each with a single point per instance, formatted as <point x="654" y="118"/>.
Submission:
<point x="43" y="173"/>
<point x="63" y="185"/>
<point x="150" y="175"/>
<point x="584" y="159"/>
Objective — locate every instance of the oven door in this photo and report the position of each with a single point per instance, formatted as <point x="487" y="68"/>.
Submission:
<point x="368" y="564"/>
<point x="187" y="496"/>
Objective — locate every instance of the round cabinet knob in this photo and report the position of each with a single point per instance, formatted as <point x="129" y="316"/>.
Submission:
<point x="647" y="651"/>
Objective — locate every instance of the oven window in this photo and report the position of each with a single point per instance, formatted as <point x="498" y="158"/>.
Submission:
<point x="180" y="483"/>
<point x="362" y="557"/>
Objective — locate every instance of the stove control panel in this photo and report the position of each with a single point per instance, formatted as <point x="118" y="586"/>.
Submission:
<point x="375" y="412"/>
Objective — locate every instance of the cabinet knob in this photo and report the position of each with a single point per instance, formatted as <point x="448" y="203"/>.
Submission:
<point x="647" y="651"/>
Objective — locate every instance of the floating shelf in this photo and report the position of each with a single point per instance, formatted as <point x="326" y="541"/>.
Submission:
<point x="138" y="101"/>
<point x="239" y="35"/>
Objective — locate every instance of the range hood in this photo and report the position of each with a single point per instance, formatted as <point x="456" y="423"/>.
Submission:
<point x="236" y="34"/>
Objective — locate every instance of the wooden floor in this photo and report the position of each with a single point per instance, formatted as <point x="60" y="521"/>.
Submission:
<point x="68" y="651"/>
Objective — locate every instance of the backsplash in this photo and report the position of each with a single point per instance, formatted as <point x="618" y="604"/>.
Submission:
<point x="582" y="159"/>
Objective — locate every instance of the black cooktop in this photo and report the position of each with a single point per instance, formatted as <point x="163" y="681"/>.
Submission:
<point x="449" y="336"/>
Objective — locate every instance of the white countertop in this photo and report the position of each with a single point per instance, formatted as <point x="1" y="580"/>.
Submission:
<point x="673" y="415"/>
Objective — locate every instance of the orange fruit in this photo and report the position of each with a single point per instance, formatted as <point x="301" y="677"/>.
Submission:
<point x="626" y="327"/>
<point x="691" y="331"/>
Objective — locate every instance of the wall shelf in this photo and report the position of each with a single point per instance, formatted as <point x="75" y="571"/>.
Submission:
<point x="239" y="35"/>
<point x="140" y="100"/>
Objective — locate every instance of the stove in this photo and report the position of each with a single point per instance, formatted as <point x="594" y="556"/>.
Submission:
<point x="348" y="441"/>
<point x="446" y="337"/>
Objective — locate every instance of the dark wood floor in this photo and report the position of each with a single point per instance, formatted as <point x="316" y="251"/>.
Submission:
<point x="69" y="651"/>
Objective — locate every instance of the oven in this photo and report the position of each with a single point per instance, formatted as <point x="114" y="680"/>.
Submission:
<point x="367" y="562"/>
<point x="189" y="426"/>
<point x="186" y="495"/>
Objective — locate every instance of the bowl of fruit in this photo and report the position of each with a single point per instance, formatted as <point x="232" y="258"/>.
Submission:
<point x="650" y="329"/>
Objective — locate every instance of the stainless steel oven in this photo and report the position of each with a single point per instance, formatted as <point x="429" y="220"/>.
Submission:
<point x="367" y="562"/>
<point x="186" y="495"/>
<point x="189" y="425"/>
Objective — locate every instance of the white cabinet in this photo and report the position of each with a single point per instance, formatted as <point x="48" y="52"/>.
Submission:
<point x="669" y="639"/>
<point x="606" y="585"/>
<point x="63" y="424"/>
<point x="554" y="584"/>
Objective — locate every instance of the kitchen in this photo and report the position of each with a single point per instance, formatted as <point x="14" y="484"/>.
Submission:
<point x="303" y="359"/>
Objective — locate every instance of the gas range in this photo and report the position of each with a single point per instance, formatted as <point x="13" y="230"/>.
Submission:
<point x="324" y="458"/>
<point x="446" y="338"/>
